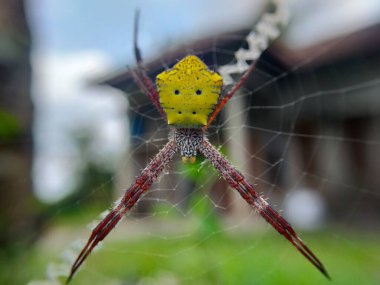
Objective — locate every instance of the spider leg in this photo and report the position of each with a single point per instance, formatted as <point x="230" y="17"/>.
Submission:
<point x="228" y="96"/>
<point x="146" y="85"/>
<point x="139" y="75"/>
<point x="131" y="196"/>
<point x="246" y="190"/>
<point x="136" y="48"/>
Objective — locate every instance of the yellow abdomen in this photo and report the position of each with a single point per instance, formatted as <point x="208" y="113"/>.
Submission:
<point x="188" y="92"/>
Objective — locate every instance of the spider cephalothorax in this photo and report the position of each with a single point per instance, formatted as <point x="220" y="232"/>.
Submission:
<point x="188" y="92"/>
<point x="188" y="97"/>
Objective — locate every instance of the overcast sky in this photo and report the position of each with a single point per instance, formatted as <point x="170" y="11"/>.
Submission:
<point x="67" y="26"/>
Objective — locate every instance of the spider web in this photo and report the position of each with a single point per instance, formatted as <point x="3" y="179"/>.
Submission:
<point x="303" y="134"/>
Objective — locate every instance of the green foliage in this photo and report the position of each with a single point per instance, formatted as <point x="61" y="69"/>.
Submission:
<point x="216" y="259"/>
<point x="201" y="207"/>
<point x="204" y="211"/>
<point x="9" y="126"/>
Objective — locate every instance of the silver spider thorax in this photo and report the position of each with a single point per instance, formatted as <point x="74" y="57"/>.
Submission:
<point x="188" y="141"/>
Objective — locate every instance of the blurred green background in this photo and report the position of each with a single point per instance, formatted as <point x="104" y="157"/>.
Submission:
<point x="198" y="256"/>
<point x="75" y="131"/>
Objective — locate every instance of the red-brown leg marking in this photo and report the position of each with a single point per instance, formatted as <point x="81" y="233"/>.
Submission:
<point x="131" y="196"/>
<point x="246" y="190"/>
<point x="147" y="86"/>
<point x="141" y="79"/>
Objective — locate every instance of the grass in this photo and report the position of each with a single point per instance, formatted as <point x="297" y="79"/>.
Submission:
<point x="218" y="258"/>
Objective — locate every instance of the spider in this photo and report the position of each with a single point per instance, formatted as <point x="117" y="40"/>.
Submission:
<point x="188" y="97"/>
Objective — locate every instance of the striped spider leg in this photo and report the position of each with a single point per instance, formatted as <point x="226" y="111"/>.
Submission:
<point x="131" y="196"/>
<point x="237" y="181"/>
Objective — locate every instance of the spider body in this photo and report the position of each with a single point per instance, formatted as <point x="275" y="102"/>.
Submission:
<point x="188" y="97"/>
<point x="188" y="92"/>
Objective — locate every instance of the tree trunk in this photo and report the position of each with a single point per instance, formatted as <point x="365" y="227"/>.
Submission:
<point x="17" y="214"/>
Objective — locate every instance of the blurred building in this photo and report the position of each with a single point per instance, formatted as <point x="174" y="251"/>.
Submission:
<point x="312" y="123"/>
